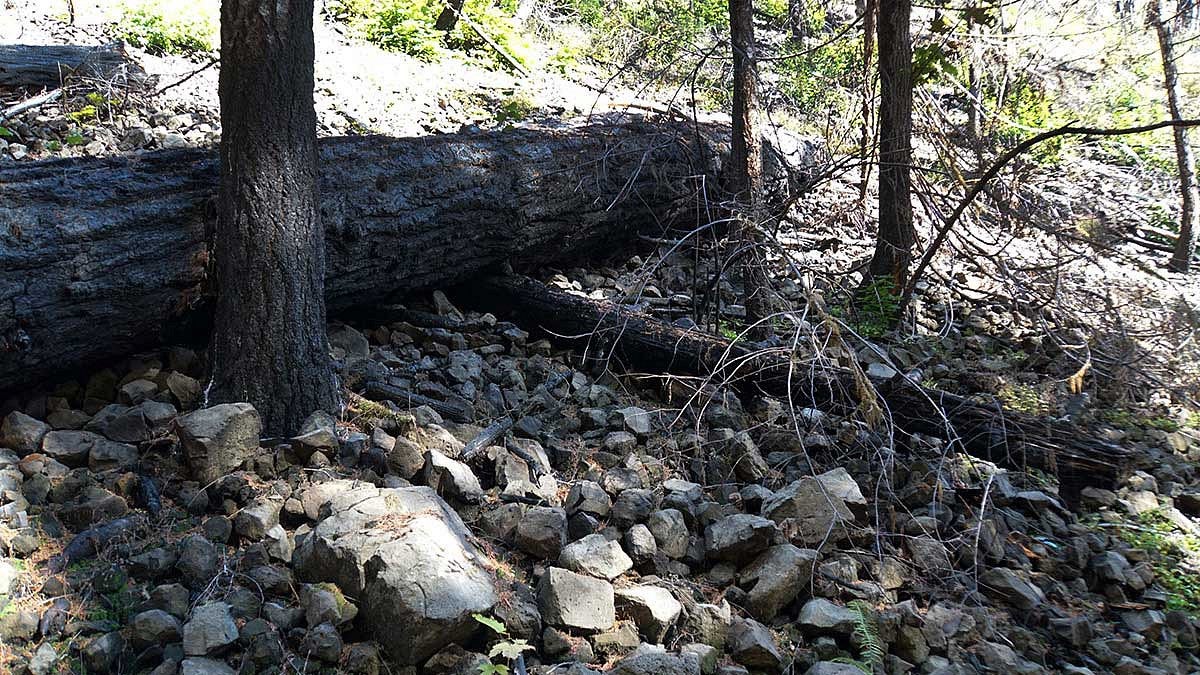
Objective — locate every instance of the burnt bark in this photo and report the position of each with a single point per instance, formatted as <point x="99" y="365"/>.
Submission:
<point x="1189" y="227"/>
<point x="893" y="247"/>
<point x="100" y="258"/>
<point x="746" y="179"/>
<point x="52" y="65"/>
<point x="448" y="18"/>
<point x="637" y="340"/>
<point x="268" y="343"/>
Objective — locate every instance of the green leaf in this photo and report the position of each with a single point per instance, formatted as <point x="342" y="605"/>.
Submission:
<point x="5" y="132"/>
<point x="493" y="669"/>
<point x="509" y="649"/>
<point x="495" y="625"/>
<point x="75" y="139"/>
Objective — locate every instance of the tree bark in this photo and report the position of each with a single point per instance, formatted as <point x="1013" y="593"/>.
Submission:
<point x="638" y="340"/>
<point x="100" y="258"/>
<point x="51" y="65"/>
<point x="893" y="248"/>
<point x="448" y="18"/>
<point x="746" y="180"/>
<point x="1189" y="228"/>
<point x="268" y="343"/>
<point x="870" y="13"/>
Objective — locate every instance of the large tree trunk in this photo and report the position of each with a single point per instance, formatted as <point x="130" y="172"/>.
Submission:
<point x="102" y="257"/>
<point x="1189" y="228"/>
<point x="635" y="339"/>
<point x="268" y="343"/>
<point x="746" y="180"/>
<point x="52" y="65"/>
<point x="893" y="248"/>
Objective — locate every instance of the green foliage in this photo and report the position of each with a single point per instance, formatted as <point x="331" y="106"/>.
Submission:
<point x="877" y="309"/>
<point x="515" y="108"/>
<point x="116" y="607"/>
<point x="408" y="26"/>
<point x="1021" y="398"/>
<point x="5" y="132"/>
<point x="508" y="648"/>
<point x="866" y="629"/>
<point x="1168" y="547"/>
<point x="186" y="27"/>
<point x="1127" y="419"/>
<point x="818" y="82"/>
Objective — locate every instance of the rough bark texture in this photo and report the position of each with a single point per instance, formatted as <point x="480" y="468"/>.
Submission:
<point x="51" y="65"/>
<point x="746" y="179"/>
<point x="639" y="340"/>
<point x="102" y="257"/>
<point x="1189" y="228"/>
<point x="893" y="248"/>
<point x="268" y="343"/>
<point x="866" y="135"/>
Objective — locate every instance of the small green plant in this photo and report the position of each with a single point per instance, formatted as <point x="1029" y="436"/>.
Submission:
<point x="5" y="132"/>
<point x="508" y="648"/>
<point x="1021" y="398"/>
<point x="185" y="27"/>
<point x="1175" y="556"/>
<point x="116" y="607"/>
<point x="876" y="311"/>
<point x="514" y="108"/>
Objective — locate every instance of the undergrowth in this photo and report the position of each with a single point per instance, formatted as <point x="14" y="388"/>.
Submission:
<point x="1174" y="557"/>
<point x="186" y="27"/>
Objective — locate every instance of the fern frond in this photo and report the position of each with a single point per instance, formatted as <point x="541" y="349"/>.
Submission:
<point x="866" y="628"/>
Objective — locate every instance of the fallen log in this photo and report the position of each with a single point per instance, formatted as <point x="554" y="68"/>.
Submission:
<point x="53" y="65"/>
<point x="609" y="330"/>
<point x="100" y="258"/>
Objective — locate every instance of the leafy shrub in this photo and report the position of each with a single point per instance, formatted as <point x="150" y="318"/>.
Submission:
<point x="170" y="26"/>
<point x="818" y="82"/>
<point x="408" y="26"/>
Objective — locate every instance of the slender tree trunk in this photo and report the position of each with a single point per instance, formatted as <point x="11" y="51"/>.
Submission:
<point x="269" y="345"/>
<point x="1188" y="227"/>
<point x="796" y="20"/>
<point x="746" y="161"/>
<point x="870" y="9"/>
<point x="893" y="248"/>
<point x="448" y="19"/>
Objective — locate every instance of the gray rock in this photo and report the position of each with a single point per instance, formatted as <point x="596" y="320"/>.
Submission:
<point x="107" y="455"/>
<point x="70" y="447"/>
<point x="751" y="644"/>
<point x="200" y="666"/>
<point x="171" y="598"/>
<point x="575" y="601"/>
<point x="1011" y="586"/>
<point x="653" y="609"/>
<point x="588" y="497"/>
<point x="198" y="561"/>
<point x="325" y="603"/>
<point x="542" y="532"/>
<point x="652" y="660"/>
<point x="154" y="626"/>
<point x="256" y="518"/>
<point x="709" y="623"/>
<point x="597" y="556"/>
<point x="217" y="440"/>
<point x="44" y="660"/>
<point x="821" y="616"/>
<point x="632" y="506"/>
<point x="776" y="577"/>
<point x="670" y="532"/>
<point x="640" y="543"/>
<point x="819" y="508"/>
<point x="739" y="537"/>
<point x="210" y="629"/>
<point x="408" y="559"/>
<point x="636" y="420"/>
<point x="22" y="432"/>
<point x="451" y="478"/>
<point x="832" y="668"/>
<point x="186" y="390"/>
<point x="323" y="642"/>
<point x="102" y="653"/>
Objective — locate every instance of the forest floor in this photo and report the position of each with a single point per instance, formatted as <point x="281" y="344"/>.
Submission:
<point x="737" y="534"/>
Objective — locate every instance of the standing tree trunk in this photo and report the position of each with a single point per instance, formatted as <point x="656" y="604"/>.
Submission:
<point x="868" y="90"/>
<point x="746" y="164"/>
<point x="893" y="248"/>
<point x="795" y="13"/>
<point x="448" y="19"/>
<point x="269" y="345"/>
<point x="1188" y="227"/>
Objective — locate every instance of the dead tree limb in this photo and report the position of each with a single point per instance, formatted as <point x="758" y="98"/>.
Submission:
<point x="52" y="65"/>
<point x="639" y="340"/>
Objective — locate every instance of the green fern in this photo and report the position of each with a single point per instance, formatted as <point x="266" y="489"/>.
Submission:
<point x="866" y="629"/>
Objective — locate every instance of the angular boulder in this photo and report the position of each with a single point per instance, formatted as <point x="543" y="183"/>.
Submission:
<point x="408" y="558"/>
<point x="217" y="440"/>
